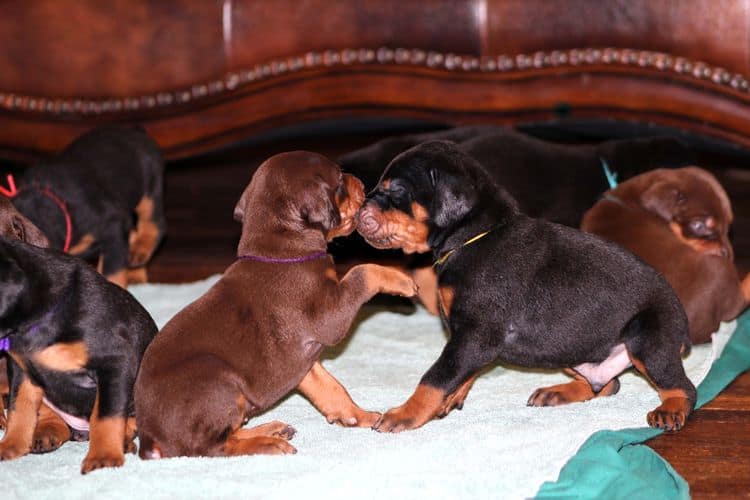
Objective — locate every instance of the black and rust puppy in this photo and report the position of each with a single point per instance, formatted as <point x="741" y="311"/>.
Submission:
<point x="75" y="341"/>
<point x="100" y="199"/>
<point x="258" y="332"/>
<point x="524" y="291"/>
<point x="15" y="226"/>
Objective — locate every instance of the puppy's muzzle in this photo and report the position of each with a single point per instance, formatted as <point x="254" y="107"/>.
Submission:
<point x="369" y="223"/>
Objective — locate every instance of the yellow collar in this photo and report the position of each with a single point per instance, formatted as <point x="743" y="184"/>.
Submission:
<point x="447" y="254"/>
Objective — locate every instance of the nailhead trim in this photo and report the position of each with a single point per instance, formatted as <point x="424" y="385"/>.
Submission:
<point x="410" y="57"/>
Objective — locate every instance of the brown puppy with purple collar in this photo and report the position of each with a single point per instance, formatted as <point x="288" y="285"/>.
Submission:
<point x="677" y="220"/>
<point x="257" y="334"/>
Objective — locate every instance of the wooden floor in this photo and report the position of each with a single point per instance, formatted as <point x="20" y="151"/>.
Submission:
<point x="712" y="453"/>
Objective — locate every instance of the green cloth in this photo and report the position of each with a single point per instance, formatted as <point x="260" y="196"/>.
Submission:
<point x="613" y="464"/>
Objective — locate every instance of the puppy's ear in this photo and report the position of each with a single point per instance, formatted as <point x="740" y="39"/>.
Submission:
<point x="662" y="199"/>
<point x="452" y="199"/>
<point x="318" y="207"/>
<point x="23" y="229"/>
<point x="12" y="283"/>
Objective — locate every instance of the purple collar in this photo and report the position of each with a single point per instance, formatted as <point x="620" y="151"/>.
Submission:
<point x="291" y="260"/>
<point x="5" y="344"/>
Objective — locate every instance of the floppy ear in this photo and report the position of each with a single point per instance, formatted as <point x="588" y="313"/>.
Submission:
<point x="318" y="207"/>
<point x="452" y="199"/>
<point x="12" y="283"/>
<point x="23" y="229"/>
<point x="660" y="198"/>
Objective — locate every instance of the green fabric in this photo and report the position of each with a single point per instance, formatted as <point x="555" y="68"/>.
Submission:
<point x="613" y="464"/>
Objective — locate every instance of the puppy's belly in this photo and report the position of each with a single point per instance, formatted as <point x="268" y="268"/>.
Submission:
<point x="598" y="374"/>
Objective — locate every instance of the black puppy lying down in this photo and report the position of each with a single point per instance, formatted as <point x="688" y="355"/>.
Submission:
<point x="74" y="340"/>
<point x="524" y="291"/>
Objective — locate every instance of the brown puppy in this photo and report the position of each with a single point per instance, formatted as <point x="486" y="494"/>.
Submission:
<point x="678" y="221"/>
<point x="258" y="333"/>
<point x="16" y="226"/>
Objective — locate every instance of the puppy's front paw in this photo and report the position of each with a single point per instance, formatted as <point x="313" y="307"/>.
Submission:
<point x="10" y="450"/>
<point x="95" y="461"/>
<point x="396" y="420"/>
<point x="399" y="283"/>
<point x="356" y="418"/>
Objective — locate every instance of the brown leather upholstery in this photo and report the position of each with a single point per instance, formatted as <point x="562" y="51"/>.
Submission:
<point x="201" y="74"/>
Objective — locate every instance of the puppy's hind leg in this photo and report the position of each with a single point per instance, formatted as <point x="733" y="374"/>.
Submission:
<point x="655" y="351"/>
<point x="577" y="390"/>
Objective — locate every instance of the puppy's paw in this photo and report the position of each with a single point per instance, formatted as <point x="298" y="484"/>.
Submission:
<point x="399" y="283"/>
<point x="548" y="396"/>
<point x="269" y="446"/>
<point x="10" y="450"/>
<point x="281" y="430"/>
<point x="3" y="421"/>
<point x="48" y="438"/>
<point x="671" y="415"/>
<point x="397" y="420"/>
<point x="356" y="418"/>
<point x="95" y="461"/>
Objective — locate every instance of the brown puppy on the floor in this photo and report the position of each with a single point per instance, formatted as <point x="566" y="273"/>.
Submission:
<point x="678" y="221"/>
<point x="14" y="225"/>
<point x="258" y="333"/>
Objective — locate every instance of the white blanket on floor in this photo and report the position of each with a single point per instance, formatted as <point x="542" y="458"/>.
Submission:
<point x="496" y="447"/>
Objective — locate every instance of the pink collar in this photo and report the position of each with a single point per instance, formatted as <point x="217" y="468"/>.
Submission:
<point x="12" y="192"/>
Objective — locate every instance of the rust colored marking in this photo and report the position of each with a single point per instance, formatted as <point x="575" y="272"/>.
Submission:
<point x="424" y="405"/>
<point x="119" y="278"/>
<point x="237" y="445"/>
<point x="51" y="431"/>
<point x="22" y="420"/>
<point x="397" y="229"/>
<point x="668" y="394"/>
<point x="575" y="391"/>
<point x="702" y="246"/>
<point x="131" y="431"/>
<point x="330" y="274"/>
<point x="456" y="400"/>
<point x="446" y="295"/>
<point x="746" y="288"/>
<point x="274" y="429"/>
<point x="137" y="275"/>
<point x="62" y="357"/>
<point x="145" y="237"/>
<point x="348" y="205"/>
<point x="332" y="400"/>
<point x="672" y="414"/>
<point x="106" y="441"/>
<point x="83" y="244"/>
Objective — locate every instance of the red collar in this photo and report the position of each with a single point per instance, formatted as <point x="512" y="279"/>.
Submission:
<point x="12" y="192"/>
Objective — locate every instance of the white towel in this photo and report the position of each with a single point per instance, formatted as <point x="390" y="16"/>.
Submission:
<point x="496" y="447"/>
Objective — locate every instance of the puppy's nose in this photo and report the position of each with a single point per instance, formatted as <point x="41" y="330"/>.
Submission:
<point x="368" y="222"/>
